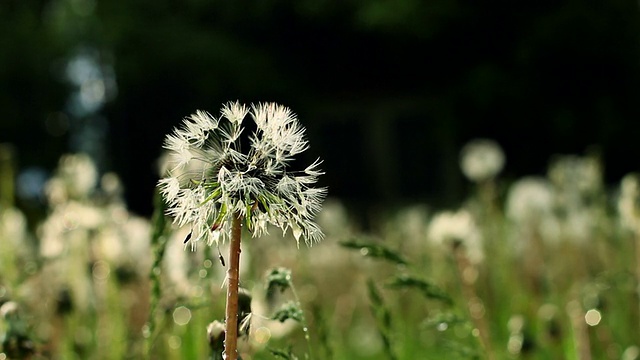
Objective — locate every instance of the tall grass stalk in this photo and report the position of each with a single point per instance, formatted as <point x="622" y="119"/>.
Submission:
<point x="579" y="329"/>
<point x="383" y="318"/>
<point x="636" y="238"/>
<point x="280" y="278"/>
<point x="468" y="291"/>
<point x="158" y="244"/>
<point x="303" y="321"/>
<point x="322" y="331"/>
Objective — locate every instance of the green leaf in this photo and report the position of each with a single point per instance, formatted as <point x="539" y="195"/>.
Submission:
<point x="289" y="310"/>
<point x="383" y="319"/>
<point x="278" y="278"/>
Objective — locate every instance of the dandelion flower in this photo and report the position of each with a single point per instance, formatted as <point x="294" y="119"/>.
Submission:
<point x="217" y="170"/>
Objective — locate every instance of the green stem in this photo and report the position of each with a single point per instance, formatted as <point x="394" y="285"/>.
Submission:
<point x="636" y="239"/>
<point x="305" y="326"/>
<point x="233" y="280"/>
<point x="159" y="243"/>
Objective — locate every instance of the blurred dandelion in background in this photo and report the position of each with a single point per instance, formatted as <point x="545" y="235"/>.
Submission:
<point x="457" y="229"/>
<point x="87" y="225"/>
<point x="579" y="196"/>
<point x="529" y="207"/>
<point x="481" y="160"/>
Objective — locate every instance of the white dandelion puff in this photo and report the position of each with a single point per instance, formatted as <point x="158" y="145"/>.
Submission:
<point x="211" y="177"/>
<point x="451" y="229"/>
<point x="481" y="159"/>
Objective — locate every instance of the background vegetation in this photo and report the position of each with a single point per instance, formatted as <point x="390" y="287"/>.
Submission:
<point x="389" y="92"/>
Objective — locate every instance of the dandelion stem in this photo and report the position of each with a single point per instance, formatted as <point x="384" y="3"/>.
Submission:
<point x="233" y="280"/>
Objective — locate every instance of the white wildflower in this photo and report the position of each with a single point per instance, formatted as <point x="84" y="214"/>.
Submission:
<point x="210" y="178"/>
<point x="481" y="159"/>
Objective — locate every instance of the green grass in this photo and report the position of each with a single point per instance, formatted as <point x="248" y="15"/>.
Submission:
<point x="389" y="293"/>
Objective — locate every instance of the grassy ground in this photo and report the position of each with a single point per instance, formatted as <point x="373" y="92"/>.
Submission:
<point x="497" y="277"/>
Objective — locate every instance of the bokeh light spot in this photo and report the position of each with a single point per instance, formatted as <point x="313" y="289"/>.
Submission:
<point x="175" y="342"/>
<point x="181" y="315"/>
<point x="262" y="335"/>
<point x="476" y="307"/>
<point x="146" y="331"/>
<point x="101" y="270"/>
<point x="593" y="317"/>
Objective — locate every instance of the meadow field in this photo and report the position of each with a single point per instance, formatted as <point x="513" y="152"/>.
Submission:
<point x="540" y="267"/>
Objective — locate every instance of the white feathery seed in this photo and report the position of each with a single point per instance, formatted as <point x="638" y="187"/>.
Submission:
<point x="210" y="177"/>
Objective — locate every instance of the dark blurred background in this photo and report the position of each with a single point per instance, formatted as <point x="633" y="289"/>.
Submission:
<point x="389" y="90"/>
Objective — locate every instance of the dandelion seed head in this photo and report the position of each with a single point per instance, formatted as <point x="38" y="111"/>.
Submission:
<point x="576" y="175"/>
<point x="578" y="186"/>
<point x="452" y="228"/>
<point x="211" y="177"/>
<point x="481" y="160"/>
<point x="529" y="199"/>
